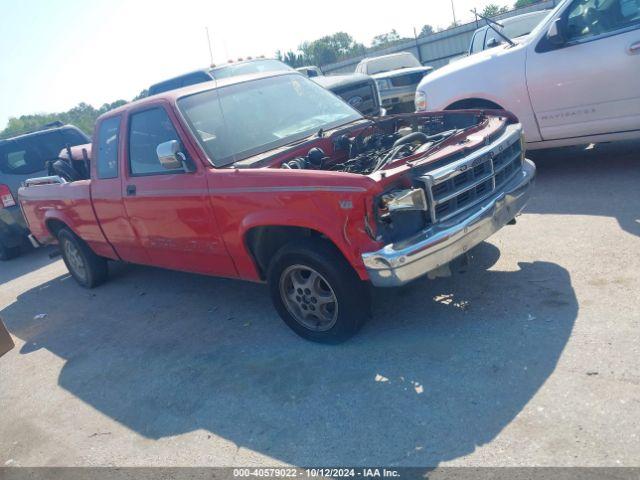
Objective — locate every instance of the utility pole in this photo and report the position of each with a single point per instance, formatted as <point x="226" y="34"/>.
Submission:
<point x="415" y="36"/>
<point x="209" y="44"/>
<point x="455" y="22"/>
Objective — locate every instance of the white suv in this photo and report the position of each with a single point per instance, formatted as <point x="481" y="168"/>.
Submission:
<point x="574" y="80"/>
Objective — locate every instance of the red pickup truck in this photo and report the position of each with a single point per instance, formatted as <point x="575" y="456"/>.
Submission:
<point x="272" y="178"/>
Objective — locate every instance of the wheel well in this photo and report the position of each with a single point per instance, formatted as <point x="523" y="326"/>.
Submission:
<point x="471" y="103"/>
<point x="263" y="242"/>
<point x="54" y="226"/>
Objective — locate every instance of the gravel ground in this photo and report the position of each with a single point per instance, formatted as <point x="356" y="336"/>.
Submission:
<point x="528" y="355"/>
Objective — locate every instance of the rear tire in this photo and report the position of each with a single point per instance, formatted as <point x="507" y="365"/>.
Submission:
<point x="7" y="253"/>
<point x="87" y="268"/>
<point x="316" y="292"/>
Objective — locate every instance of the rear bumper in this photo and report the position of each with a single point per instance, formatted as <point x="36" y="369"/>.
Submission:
<point x="13" y="229"/>
<point x="398" y="264"/>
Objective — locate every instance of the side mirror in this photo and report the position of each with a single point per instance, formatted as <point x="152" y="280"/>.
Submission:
<point x="555" y="34"/>
<point x="171" y="158"/>
<point x="493" y="43"/>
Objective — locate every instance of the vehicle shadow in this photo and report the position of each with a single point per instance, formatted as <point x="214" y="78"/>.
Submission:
<point x="441" y="369"/>
<point x="602" y="181"/>
<point x="29" y="261"/>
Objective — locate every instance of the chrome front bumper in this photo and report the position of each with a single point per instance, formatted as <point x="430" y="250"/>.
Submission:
<point x="399" y="263"/>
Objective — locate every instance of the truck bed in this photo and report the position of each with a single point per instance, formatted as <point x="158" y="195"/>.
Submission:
<point x="46" y="205"/>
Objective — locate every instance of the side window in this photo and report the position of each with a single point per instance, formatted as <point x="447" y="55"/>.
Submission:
<point x="107" y="158"/>
<point x="492" y="39"/>
<point x="587" y="18"/>
<point x="147" y="130"/>
<point x="478" y="41"/>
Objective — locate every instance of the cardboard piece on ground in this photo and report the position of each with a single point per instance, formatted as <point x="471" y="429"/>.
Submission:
<point x="6" y="342"/>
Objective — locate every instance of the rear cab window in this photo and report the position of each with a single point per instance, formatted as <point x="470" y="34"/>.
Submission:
<point x="107" y="156"/>
<point x="28" y="154"/>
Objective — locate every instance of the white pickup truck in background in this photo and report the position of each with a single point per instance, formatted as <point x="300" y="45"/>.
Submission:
<point x="397" y="76"/>
<point x="574" y="80"/>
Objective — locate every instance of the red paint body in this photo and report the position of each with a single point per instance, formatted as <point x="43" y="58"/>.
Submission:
<point x="198" y="221"/>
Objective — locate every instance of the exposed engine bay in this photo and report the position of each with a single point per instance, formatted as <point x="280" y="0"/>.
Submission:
<point x="385" y="142"/>
<point x="413" y="202"/>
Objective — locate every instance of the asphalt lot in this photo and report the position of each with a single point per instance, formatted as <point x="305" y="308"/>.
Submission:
<point x="529" y="355"/>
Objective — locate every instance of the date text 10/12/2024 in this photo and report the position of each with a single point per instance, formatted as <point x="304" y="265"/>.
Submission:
<point x="316" y="472"/>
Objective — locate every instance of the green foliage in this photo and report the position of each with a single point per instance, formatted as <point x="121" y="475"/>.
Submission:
<point x="524" y="3"/>
<point x="82" y="116"/>
<point x="292" y="58"/>
<point x="494" y="9"/>
<point x="426" y="30"/>
<point x="385" y="40"/>
<point x="144" y="93"/>
<point x="330" y="48"/>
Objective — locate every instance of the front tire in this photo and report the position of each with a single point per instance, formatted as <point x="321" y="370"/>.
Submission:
<point x="87" y="268"/>
<point x="316" y="292"/>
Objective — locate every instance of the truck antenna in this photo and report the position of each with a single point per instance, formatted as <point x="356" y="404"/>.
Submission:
<point x="453" y="10"/>
<point x="206" y="29"/>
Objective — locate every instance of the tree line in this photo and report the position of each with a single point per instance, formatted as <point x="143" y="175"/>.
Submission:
<point x="82" y="116"/>
<point x="323" y="51"/>
<point x="342" y="46"/>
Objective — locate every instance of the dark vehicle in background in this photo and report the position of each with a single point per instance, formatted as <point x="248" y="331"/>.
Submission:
<point x="359" y="91"/>
<point x="22" y="157"/>
<point x="231" y="69"/>
<point x="310" y="71"/>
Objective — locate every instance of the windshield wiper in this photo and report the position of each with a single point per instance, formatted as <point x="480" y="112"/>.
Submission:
<point x="491" y="24"/>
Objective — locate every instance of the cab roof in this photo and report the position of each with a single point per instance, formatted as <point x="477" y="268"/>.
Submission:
<point x="172" y="96"/>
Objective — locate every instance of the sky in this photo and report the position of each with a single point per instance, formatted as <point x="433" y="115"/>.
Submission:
<point x="56" y="54"/>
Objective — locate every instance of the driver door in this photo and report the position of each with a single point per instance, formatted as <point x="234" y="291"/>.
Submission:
<point x="589" y="85"/>
<point x="170" y="210"/>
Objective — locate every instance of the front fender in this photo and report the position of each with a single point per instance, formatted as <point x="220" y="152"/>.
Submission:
<point x="341" y="230"/>
<point x="497" y="75"/>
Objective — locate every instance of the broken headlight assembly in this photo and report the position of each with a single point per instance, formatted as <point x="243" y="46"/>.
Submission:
<point x="403" y="200"/>
<point x="401" y="213"/>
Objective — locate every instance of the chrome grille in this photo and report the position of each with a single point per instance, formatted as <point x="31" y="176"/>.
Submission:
<point x="455" y="188"/>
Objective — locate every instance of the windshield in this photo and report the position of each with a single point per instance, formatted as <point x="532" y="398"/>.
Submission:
<point x="523" y="26"/>
<point x="235" y="122"/>
<point x="28" y="154"/>
<point x="255" y="66"/>
<point x="543" y="21"/>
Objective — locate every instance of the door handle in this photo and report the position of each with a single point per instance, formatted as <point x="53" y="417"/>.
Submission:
<point x="634" y="47"/>
<point x="131" y="190"/>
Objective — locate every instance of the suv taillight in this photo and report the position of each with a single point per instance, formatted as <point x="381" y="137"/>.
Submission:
<point x="6" y="198"/>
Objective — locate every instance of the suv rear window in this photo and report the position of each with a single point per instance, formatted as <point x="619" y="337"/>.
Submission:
<point x="28" y="154"/>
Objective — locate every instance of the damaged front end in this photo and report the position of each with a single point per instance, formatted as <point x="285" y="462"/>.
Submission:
<point x="437" y="184"/>
<point x="468" y="198"/>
